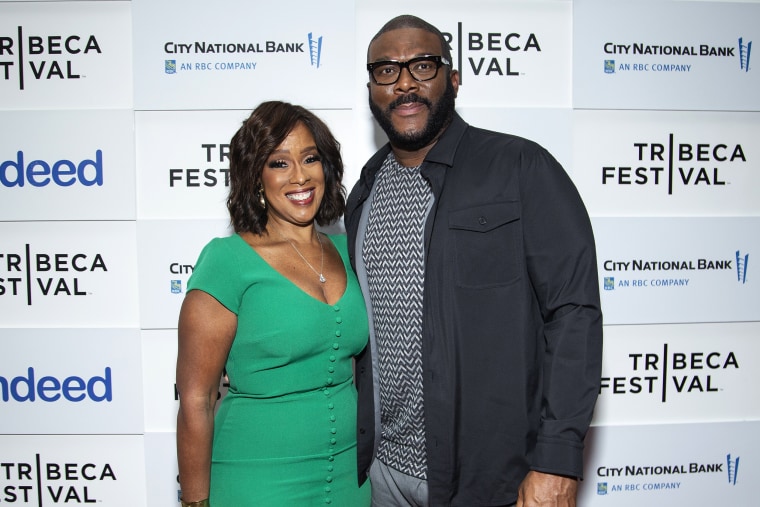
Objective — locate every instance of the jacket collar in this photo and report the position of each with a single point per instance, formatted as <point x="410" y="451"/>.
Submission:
<point x="445" y="148"/>
<point x="442" y="152"/>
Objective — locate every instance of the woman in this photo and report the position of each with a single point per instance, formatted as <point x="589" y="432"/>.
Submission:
<point x="276" y="305"/>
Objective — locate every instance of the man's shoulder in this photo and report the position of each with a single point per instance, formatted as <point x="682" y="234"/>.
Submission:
<point x="501" y="138"/>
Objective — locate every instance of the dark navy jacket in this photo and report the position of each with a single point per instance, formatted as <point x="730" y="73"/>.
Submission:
<point x="512" y="325"/>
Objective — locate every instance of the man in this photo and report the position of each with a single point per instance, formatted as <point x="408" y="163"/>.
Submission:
<point x="478" y="264"/>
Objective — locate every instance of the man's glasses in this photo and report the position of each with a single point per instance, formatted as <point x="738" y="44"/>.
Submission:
<point x="422" y="68"/>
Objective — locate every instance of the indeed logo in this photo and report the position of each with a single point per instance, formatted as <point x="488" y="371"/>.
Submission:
<point x="64" y="173"/>
<point x="29" y="388"/>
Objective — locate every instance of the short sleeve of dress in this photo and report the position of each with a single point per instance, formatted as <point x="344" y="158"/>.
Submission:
<point x="217" y="272"/>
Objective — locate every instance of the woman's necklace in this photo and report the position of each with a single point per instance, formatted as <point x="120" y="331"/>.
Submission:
<point x="322" y="278"/>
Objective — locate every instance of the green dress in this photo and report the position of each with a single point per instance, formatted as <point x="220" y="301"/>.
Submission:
<point x="285" y="434"/>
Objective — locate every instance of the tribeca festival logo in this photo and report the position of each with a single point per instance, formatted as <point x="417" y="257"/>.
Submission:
<point x="479" y="47"/>
<point x="43" y="57"/>
<point x="666" y="373"/>
<point x="745" y="51"/>
<point x="30" y="274"/>
<point x="34" y="481"/>
<point x="674" y="164"/>
<point x="212" y="170"/>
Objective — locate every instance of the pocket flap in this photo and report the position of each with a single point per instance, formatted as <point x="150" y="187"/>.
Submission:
<point x="485" y="217"/>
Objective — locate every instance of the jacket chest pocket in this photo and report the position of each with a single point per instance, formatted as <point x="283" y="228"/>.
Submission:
<point x="487" y="241"/>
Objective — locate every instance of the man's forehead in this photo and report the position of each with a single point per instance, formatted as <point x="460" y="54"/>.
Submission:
<point x="404" y="40"/>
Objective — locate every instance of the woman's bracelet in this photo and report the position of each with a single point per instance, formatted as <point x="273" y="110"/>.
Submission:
<point x="199" y="503"/>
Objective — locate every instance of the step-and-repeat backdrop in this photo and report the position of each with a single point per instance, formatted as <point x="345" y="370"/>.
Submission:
<point x="116" y="119"/>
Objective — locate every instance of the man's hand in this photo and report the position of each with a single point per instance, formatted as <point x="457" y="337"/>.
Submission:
<point x="547" y="490"/>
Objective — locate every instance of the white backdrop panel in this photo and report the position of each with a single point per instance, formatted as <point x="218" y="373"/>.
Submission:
<point x="65" y="55"/>
<point x="679" y="373"/>
<point x="47" y="174"/>
<point x="43" y="471"/>
<point x="551" y="128"/>
<point x="237" y="54"/>
<point x="161" y="470"/>
<point x="159" y="351"/>
<point x="625" y="55"/>
<point x="161" y="400"/>
<point x="509" y="54"/>
<point x="75" y="274"/>
<point x="167" y="255"/>
<point x="667" y="163"/>
<point x="183" y="165"/>
<point x="672" y="465"/>
<point x="677" y="270"/>
<point x="96" y="389"/>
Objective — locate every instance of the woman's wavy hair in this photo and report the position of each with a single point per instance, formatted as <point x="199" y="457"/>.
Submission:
<point x="260" y="134"/>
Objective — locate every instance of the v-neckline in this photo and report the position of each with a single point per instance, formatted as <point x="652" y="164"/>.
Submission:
<point x="294" y="284"/>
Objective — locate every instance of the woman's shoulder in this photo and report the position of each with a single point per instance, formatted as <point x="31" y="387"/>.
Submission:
<point x="224" y="243"/>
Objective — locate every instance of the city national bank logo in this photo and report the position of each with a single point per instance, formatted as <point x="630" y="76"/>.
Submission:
<point x="36" y="481"/>
<point x="741" y="266"/>
<point x="32" y="275"/>
<point x="210" y="56"/>
<point x="26" y="57"/>
<point x="315" y="50"/>
<point x="745" y="51"/>
<point x="732" y="468"/>
<point x="662" y="274"/>
<point x="674" y="164"/>
<point x="667" y="373"/>
<point x="659" y="59"/>
<point x="656" y="478"/>
<point x="178" y="268"/>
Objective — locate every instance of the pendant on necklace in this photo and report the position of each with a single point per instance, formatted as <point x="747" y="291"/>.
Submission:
<point x="322" y="278"/>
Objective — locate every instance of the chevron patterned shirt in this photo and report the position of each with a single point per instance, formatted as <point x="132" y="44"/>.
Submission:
<point x="393" y="254"/>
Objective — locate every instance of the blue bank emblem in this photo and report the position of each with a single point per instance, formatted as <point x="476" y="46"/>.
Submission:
<point x="176" y="286"/>
<point x="745" y="51"/>
<point x="609" y="66"/>
<point x="170" y="66"/>
<point x="609" y="283"/>
<point x="741" y="266"/>
<point x="733" y="468"/>
<point x="315" y="50"/>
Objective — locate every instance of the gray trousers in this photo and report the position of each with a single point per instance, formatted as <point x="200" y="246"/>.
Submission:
<point x="391" y="488"/>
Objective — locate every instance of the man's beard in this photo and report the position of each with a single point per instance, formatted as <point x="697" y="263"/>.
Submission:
<point x="439" y="118"/>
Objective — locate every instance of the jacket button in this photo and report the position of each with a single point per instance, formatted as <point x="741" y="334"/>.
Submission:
<point x="482" y="220"/>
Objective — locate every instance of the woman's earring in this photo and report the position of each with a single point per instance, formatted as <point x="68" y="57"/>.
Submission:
<point x="262" y="201"/>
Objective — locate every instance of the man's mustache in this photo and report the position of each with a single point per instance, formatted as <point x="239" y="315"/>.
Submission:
<point x="408" y="99"/>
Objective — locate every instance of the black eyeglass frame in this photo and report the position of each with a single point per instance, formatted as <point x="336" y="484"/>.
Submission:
<point x="439" y="62"/>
